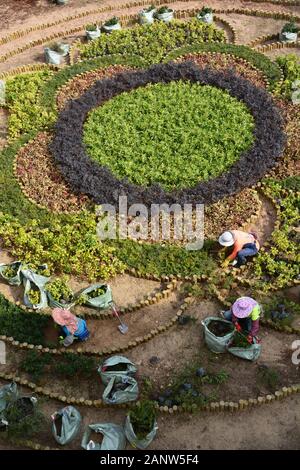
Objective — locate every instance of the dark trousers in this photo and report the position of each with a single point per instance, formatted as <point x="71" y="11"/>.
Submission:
<point x="249" y="249"/>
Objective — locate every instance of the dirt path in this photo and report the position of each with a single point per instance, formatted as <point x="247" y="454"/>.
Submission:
<point x="264" y="225"/>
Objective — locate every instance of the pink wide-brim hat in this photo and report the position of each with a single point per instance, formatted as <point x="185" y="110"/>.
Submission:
<point x="65" y="318"/>
<point x="243" y="306"/>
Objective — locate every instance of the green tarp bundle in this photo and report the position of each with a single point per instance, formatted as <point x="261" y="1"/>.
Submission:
<point x="116" y="366"/>
<point x="133" y="439"/>
<point x="217" y="344"/>
<point x="16" y="279"/>
<point x="8" y="394"/>
<point x="251" y="354"/>
<point x="66" y="424"/>
<point x="120" y="389"/>
<point x="102" y="301"/>
<point x="112" y="434"/>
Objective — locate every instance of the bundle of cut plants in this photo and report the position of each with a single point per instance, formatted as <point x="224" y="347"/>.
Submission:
<point x="218" y="333"/>
<point x="141" y="425"/>
<point x="96" y="295"/>
<point x="59" y="293"/>
<point x="240" y="347"/>
<point x="11" y="273"/>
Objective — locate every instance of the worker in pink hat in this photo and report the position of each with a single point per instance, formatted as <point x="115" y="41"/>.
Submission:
<point x="244" y="314"/>
<point x="244" y="245"/>
<point x="72" y="326"/>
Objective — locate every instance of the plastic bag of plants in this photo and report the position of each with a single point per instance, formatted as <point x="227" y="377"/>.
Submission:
<point x="8" y="394"/>
<point x="20" y="409"/>
<point x="66" y="424"/>
<point x="116" y="366"/>
<point x="140" y="425"/>
<point x="120" y="390"/>
<point x="59" y="294"/>
<point x="218" y="333"/>
<point x="111" y="437"/>
<point x="11" y="272"/>
<point x="97" y="296"/>
<point x="240" y="347"/>
<point x="34" y="293"/>
<point x="34" y="296"/>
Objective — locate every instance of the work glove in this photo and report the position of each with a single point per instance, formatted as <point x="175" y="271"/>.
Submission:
<point x="238" y="327"/>
<point x="258" y="341"/>
<point x="225" y="263"/>
<point x="250" y="339"/>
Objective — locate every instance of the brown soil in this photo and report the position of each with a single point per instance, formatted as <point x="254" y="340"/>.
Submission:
<point x="284" y="51"/>
<point x="264" y="224"/>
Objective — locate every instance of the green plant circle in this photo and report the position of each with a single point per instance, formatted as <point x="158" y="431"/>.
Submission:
<point x="174" y="134"/>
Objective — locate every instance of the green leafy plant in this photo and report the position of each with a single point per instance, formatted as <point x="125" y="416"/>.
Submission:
<point x="22" y="423"/>
<point x="290" y="66"/>
<point x="142" y="418"/>
<point x="150" y="8"/>
<point x="59" y="289"/>
<point x="34" y="296"/>
<point x="91" y="27"/>
<point x="10" y="271"/>
<point x="240" y="341"/>
<point x="112" y="21"/>
<point x="205" y="11"/>
<point x="22" y="95"/>
<point x="152" y="42"/>
<point x="165" y="130"/>
<point x="71" y="247"/>
<point x="163" y="9"/>
<point x="290" y="27"/>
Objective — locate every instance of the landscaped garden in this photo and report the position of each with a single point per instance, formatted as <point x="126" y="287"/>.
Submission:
<point x="166" y="106"/>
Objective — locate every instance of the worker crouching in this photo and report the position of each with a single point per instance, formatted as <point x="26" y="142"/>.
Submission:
<point x="72" y="326"/>
<point x="245" y="314"/>
<point x="244" y="245"/>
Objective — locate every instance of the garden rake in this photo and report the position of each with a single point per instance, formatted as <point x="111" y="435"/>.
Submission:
<point x="123" y="328"/>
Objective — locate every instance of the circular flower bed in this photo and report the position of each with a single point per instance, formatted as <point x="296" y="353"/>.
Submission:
<point x="173" y="134"/>
<point x="100" y="184"/>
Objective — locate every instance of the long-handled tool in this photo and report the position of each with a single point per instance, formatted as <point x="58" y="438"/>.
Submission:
<point x="122" y="327"/>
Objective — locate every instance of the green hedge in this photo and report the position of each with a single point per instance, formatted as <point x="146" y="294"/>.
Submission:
<point x="25" y="112"/>
<point x="270" y="69"/>
<point x="152" y="42"/>
<point x="21" y="325"/>
<point x="165" y="260"/>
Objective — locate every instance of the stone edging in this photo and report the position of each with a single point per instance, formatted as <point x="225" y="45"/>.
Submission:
<point x="211" y="407"/>
<point x="27" y="69"/>
<point x="107" y="351"/>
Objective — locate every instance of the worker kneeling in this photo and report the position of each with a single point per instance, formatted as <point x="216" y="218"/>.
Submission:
<point x="72" y="326"/>
<point x="245" y="314"/>
<point x="244" y="245"/>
